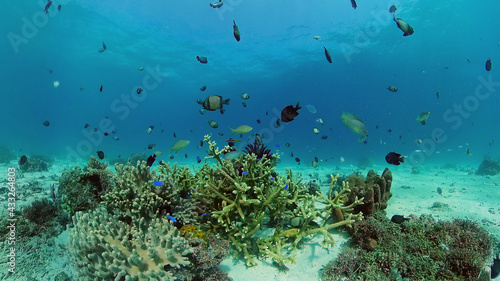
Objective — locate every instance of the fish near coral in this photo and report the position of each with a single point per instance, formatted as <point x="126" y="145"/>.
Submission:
<point x="355" y="124"/>
<point x="241" y="129"/>
<point x="178" y="145"/>
<point x="289" y="113"/>
<point x="214" y="102"/>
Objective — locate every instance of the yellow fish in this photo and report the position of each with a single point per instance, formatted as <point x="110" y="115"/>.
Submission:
<point x="178" y="145"/>
<point x="355" y="124"/>
<point x="241" y="129"/>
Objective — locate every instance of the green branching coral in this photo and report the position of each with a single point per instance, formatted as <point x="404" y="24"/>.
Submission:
<point x="241" y="193"/>
<point x="107" y="248"/>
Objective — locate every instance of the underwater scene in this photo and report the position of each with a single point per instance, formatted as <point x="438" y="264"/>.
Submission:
<point x="250" y="140"/>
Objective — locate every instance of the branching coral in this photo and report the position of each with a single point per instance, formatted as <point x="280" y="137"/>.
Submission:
<point x="240" y="194"/>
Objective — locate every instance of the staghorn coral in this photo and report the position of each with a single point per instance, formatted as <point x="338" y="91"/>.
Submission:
<point x="240" y="194"/>
<point x="81" y="190"/>
<point x="107" y="248"/>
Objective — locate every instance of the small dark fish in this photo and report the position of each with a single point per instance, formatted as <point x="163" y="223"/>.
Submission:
<point x="151" y="160"/>
<point x="86" y="126"/>
<point x="174" y="135"/>
<point x="100" y="154"/>
<point x="95" y="130"/>
<point x="365" y="142"/>
<point x="376" y="127"/>
<point x="287" y="144"/>
<point x="244" y="104"/>
<point x="327" y="54"/>
<point x="297" y="159"/>
<point x="106" y="134"/>
<point x="100" y="89"/>
<point x="392" y="9"/>
<point x="389" y="131"/>
<point x="258" y="121"/>
<point x="151" y="146"/>
<point x="198" y="159"/>
<point x="278" y="123"/>
<point x="186" y="155"/>
<point x="491" y="143"/>
<point x="437" y="95"/>
<point x="354" y="4"/>
<point x="324" y="137"/>
<point x="399" y="219"/>
<point x="221" y="134"/>
<point x="291" y="154"/>
<point x="47" y="6"/>
<point x="439" y="191"/>
<point x="394" y="158"/>
<point x="488" y="65"/>
<point x="495" y="267"/>
<point x="139" y="91"/>
<point x="50" y="71"/>
<point x="203" y="88"/>
<point x="267" y="113"/>
<point x="171" y="157"/>
<point x="203" y="60"/>
<point x="23" y="160"/>
<point x="46" y="123"/>
<point x="400" y="137"/>
<point x="53" y="189"/>
<point x="236" y="32"/>
<point x="201" y="143"/>
<point x="289" y="113"/>
<point x="59" y="8"/>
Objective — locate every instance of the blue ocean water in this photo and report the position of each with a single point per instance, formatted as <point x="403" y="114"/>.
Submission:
<point x="277" y="62"/>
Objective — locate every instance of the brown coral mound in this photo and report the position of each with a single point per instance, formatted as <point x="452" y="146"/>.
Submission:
<point x="375" y="189"/>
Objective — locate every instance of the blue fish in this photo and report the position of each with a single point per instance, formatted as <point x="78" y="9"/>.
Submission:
<point x="271" y="178"/>
<point x="172" y="218"/>
<point x="204" y="214"/>
<point x="258" y="159"/>
<point x="158" y="183"/>
<point x="286" y="186"/>
<point x="244" y="173"/>
<point x="277" y="145"/>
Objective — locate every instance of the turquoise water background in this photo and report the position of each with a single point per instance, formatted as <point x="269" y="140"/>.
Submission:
<point x="277" y="62"/>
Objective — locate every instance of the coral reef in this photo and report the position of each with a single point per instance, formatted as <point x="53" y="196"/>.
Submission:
<point x="40" y="211"/>
<point x="375" y="191"/>
<point x="488" y="167"/>
<point x="107" y="248"/>
<point x="241" y="194"/>
<point x="81" y="190"/>
<point x="419" y="249"/>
